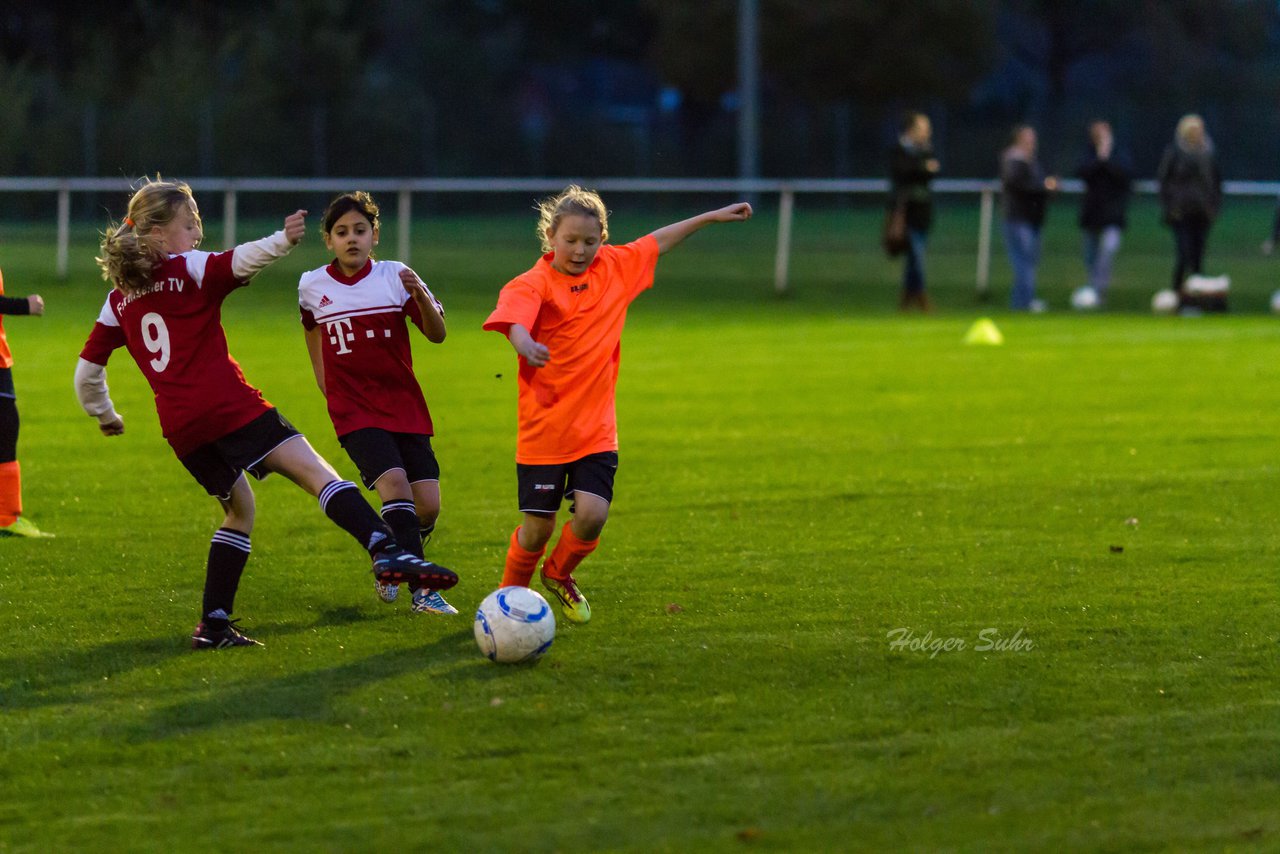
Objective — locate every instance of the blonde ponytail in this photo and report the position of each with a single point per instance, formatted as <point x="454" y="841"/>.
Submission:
<point x="128" y="259"/>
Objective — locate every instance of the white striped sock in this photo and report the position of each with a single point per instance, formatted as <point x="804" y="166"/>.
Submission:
<point x="235" y="539"/>
<point x="398" y="505"/>
<point x="331" y="489"/>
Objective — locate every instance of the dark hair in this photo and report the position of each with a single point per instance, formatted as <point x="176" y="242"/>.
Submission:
<point x="358" y="201"/>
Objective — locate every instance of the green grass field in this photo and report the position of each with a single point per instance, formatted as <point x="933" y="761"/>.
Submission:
<point x="808" y="479"/>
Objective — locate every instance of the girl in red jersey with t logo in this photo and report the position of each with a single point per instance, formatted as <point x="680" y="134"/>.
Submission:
<point x="564" y="317"/>
<point x="354" y="311"/>
<point x="165" y="308"/>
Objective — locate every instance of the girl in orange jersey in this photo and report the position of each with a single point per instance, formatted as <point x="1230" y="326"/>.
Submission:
<point x="564" y="317"/>
<point x="12" y="522"/>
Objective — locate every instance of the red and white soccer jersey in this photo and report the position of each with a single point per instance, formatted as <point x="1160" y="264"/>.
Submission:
<point x="174" y="332"/>
<point x="368" y="363"/>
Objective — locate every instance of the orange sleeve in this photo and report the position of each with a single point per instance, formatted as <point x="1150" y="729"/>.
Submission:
<point x="519" y="302"/>
<point x="637" y="262"/>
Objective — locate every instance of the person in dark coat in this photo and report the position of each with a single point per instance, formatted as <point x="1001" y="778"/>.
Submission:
<point x="1024" y="200"/>
<point x="912" y="165"/>
<point x="1108" y="182"/>
<point x="1190" y="195"/>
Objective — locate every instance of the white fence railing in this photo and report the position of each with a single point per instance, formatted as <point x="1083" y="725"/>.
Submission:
<point x="405" y="188"/>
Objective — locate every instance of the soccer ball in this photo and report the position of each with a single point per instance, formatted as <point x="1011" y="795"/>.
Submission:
<point x="1084" y="299"/>
<point x="1275" y="302"/>
<point x="514" y="624"/>
<point x="1165" y="301"/>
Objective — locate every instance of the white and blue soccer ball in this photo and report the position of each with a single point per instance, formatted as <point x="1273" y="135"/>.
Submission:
<point x="1275" y="303"/>
<point x="513" y="625"/>
<point x="1085" y="299"/>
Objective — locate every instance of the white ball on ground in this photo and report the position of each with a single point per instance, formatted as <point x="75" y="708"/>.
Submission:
<point x="1085" y="299"/>
<point x="514" y="624"/>
<point x="1165" y="301"/>
<point x="1275" y="302"/>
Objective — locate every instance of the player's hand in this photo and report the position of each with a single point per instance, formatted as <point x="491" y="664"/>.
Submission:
<point x="112" y="428"/>
<point x="1051" y="184"/>
<point x="295" y="225"/>
<point x="537" y="355"/>
<point x="413" y="284"/>
<point x="35" y="304"/>
<point x="733" y="213"/>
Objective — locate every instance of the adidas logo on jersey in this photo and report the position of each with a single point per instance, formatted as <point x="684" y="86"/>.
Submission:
<point x="325" y="302"/>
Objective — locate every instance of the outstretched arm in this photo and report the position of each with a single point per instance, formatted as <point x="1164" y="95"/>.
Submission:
<point x="671" y="236"/>
<point x="33" y="305"/>
<point x="251" y="258"/>
<point x="428" y="305"/>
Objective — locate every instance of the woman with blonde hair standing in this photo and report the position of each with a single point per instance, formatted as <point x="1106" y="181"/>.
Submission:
<point x="1190" y="195"/>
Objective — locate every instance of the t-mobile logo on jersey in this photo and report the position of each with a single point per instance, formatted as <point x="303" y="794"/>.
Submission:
<point x="340" y="334"/>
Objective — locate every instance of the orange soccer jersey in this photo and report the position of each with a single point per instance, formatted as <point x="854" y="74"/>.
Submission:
<point x="566" y="408"/>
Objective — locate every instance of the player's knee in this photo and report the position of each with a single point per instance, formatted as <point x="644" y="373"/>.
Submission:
<point x="588" y="531"/>
<point x="536" y="530"/>
<point x="427" y="517"/>
<point x="588" y="522"/>
<point x="239" y="519"/>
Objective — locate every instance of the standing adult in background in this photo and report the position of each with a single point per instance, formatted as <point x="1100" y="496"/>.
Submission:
<point x="911" y="167"/>
<point x="1108" y="182"/>
<point x="1024" y="202"/>
<point x="1190" y="195"/>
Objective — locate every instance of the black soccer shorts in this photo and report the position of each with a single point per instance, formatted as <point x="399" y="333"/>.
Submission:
<point x="542" y="488"/>
<point x="376" y="451"/>
<point x="217" y="465"/>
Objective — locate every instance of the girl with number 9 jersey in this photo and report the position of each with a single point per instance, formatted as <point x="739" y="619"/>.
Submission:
<point x="165" y="308"/>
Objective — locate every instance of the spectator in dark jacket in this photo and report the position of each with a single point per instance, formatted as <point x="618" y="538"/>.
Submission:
<point x="1107" y="185"/>
<point x="1190" y="195"/>
<point x="1024" y="200"/>
<point x="912" y="166"/>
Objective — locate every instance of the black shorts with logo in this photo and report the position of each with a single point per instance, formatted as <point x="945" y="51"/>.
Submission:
<point x="376" y="451"/>
<point x="217" y="465"/>
<point x="542" y="488"/>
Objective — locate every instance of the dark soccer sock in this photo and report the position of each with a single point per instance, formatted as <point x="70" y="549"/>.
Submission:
<point x="228" y="553"/>
<point x="424" y="534"/>
<point x="343" y="503"/>
<point x="403" y="519"/>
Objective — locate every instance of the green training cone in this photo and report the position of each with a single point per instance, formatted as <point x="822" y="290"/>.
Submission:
<point x="984" y="331"/>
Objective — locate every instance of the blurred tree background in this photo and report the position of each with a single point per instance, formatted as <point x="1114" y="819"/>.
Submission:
<point x="630" y="87"/>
